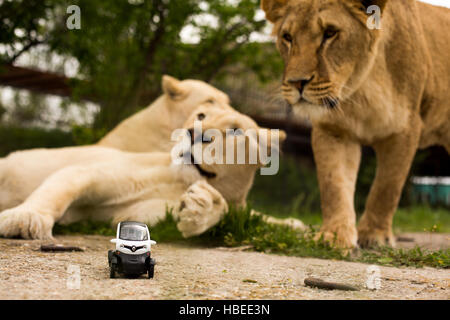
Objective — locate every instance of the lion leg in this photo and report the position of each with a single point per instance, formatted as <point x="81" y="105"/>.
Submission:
<point x="337" y="159"/>
<point x="34" y="218"/>
<point x="394" y="158"/>
<point x="201" y="208"/>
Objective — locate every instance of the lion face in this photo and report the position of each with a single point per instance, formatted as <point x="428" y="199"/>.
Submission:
<point x="326" y="47"/>
<point x="227" y="147"/>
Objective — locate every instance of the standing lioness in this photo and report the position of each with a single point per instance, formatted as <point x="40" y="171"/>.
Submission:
<point x="387" y="88"/>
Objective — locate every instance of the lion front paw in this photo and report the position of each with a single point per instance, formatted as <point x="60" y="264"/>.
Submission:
<point x="25" y="223"/>
<point x="341" y="236"/>
<point x="201" y="207"/>
<point x="370" y="236"/>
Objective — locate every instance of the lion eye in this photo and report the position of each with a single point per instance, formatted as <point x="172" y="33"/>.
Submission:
<point x="201" y="116"/>
<point x="329" y="33"/>
<point x="287" y="37"/>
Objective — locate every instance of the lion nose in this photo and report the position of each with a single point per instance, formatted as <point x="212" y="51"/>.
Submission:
<point x="300" y="84"/>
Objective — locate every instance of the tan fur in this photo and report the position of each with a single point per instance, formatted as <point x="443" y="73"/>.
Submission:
<point x="225" y="182"/>
<point x="107" y="184"/>
<point x="147" y="131"/>
<point x="150" y="129"/>
<point x="384" y="88"/>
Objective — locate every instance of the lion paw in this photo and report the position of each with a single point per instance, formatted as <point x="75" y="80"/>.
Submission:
<point x="201" y="207"/>
<point x="373" y="237"/>
<point x="340" y="236"/>
<point x="25" y="223"/>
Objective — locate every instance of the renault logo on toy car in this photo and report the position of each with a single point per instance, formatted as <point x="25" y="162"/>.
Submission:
<point x="133" y="248"/>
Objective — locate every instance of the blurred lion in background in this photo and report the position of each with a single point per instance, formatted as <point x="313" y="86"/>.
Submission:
<point x="134" y="179"/>
<point x="106" y="184"/>
<point x="147" y="131"/>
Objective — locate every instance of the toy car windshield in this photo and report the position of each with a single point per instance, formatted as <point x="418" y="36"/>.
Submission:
<point x="131" y="232"/>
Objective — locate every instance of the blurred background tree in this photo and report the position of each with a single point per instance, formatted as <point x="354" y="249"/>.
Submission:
<point x="124" y="47"/>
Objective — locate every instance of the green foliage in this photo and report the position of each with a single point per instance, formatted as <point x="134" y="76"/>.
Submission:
<point x="84" y="136"/>
<point x="240" y="228"/>
<point x="293" y="191"/>
<point x="415" y="257"/>
<point x="422" y="219"/>
<point x="166" y="230"/>
<point x="124" y="47"/>
<point x="85" y="227"/>
<point x="21" y="21"/>
<point x="15" y="138"/>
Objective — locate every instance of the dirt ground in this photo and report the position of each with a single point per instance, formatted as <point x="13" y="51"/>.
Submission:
<point x="184" y="272"/>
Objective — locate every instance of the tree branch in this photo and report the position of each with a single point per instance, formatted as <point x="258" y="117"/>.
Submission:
<point x="148" y="59"/>
<point x="30" y="45"/>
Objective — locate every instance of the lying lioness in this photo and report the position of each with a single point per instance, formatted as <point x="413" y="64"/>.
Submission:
<point x="107" y="184"/>
<point x="147" y="131"/>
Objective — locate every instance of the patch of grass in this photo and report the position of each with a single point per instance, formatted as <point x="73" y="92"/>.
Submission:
<point x="294" y="192"/>
<point x="415" y="257"/>
<point x="240" y="228"/>
<point x="166" y="230"/>
<point x="422" y="218"/>
<point x="85" y="227"/>
<point x="408" y="219"/>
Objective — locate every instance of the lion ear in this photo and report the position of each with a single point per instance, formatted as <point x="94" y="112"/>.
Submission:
<point x="173" y="88"/>
<point x="273" y="9"/>
<point x="380" y="3"/>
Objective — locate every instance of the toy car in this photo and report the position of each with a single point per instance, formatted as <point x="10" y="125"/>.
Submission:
<point x="132" y="256"/>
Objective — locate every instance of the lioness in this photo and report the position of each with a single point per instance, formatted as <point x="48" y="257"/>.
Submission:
<point x="108" y="184"/>
<point x="147" y="131"/>
<point x="387" y="88"/>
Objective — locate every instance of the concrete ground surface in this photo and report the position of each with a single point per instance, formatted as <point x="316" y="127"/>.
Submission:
<point x="186" y="272"/>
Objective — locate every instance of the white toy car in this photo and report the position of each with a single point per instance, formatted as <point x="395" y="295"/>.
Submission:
<point x="132" y="256"/>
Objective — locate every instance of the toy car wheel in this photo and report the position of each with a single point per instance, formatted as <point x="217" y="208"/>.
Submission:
<point x="151" y="271"/>
<point x="112" y="271"/>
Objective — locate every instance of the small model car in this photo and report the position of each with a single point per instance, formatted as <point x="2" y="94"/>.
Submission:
<point x="132" y="256"/>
